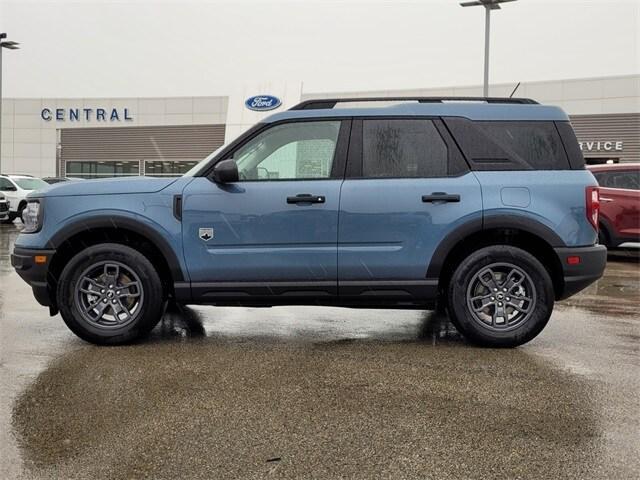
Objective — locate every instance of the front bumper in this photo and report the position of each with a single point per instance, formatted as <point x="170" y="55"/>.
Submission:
<point x="35" y="274"/>
<point x="593" y="261"/>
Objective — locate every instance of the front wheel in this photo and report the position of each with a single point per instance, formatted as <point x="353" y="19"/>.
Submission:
<point x="500" y="296"/>
<point x="20" y="212"/>
<point x="110" y="294"/>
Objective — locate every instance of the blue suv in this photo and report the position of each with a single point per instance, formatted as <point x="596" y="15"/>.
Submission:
<point x="480" y="206"/>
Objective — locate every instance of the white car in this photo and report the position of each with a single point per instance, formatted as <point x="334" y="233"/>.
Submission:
<point x="16" y="188"/>
<point x="4" y="208"/>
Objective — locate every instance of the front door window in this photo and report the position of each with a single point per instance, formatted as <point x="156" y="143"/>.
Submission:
<point x="293" y="151"/>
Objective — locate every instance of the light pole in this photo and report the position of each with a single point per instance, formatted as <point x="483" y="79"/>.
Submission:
<point x="488" y="6"/>
<point x="11" y="46"/>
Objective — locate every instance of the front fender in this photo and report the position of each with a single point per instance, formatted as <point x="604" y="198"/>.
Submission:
<point x="148" y="215"/>
<point x="164" y="240"/>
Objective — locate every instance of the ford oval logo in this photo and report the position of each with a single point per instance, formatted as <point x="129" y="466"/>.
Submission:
<point x="262" y="103"/>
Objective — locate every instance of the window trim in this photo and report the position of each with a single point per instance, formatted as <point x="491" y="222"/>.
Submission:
<point x="355" y="160"/>
<point x="339" y="154"/>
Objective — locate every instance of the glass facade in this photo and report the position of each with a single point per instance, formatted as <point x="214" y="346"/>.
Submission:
<point x="162" y="168"/>
<point x="102" y="169"/>
<point x="127" y="168"/>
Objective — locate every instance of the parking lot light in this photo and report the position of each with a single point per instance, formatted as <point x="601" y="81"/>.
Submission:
<point x="11" y="45"/>
<point x="488" y="6"/>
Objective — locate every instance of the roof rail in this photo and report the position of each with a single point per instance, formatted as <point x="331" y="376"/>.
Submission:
<point x="330" y="103"/>
<point x="16" y="175"/>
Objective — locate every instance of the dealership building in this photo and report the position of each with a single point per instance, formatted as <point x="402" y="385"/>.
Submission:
<point x="104" y="137"/>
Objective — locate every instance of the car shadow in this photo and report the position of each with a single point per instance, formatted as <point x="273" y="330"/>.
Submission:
<point x="179" y="321"/>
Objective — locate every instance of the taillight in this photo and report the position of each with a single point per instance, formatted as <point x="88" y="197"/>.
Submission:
<point x="593" y="206"/>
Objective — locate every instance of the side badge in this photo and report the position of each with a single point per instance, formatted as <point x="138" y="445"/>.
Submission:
<point x="205" y="234"/>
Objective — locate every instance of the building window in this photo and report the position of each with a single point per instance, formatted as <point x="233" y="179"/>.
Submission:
<point x="102" y="169"/>
<point x="164" y="168"/>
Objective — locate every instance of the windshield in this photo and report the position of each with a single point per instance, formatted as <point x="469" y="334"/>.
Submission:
<point x="30" y="183"/>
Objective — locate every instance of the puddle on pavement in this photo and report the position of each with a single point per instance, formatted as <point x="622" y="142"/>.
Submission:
<point x="197" y="399"/>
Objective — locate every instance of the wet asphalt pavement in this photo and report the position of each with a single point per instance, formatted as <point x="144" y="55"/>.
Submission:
<point x="303" y="392"/>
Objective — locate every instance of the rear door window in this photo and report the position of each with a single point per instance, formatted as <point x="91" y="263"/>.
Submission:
<point x="402" y="148"/>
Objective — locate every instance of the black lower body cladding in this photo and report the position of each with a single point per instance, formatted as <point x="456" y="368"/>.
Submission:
<point x="35" y="274"/>
<point x="581" y="267"/>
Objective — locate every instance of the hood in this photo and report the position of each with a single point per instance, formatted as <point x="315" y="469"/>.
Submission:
<point x="106" y="186"/>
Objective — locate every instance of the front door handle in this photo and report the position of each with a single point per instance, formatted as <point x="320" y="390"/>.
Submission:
<point x="306" y="198"/>
<point x="440" y="197"/>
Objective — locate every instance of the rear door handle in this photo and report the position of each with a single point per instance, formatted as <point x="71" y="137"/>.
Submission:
<point x="440" y="197"/>
<point x="306" y="198"/>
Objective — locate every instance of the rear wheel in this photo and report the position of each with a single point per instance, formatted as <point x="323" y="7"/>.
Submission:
<point x="500" y="296"/>
<point x="110" y="294"/>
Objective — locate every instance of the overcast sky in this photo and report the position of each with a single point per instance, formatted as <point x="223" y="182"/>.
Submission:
<point x="151" y="48"/>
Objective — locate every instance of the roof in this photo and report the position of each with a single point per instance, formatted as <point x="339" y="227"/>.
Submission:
<point x="470" y="110"/>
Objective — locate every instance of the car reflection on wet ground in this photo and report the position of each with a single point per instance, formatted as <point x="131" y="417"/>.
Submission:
<point x="303" y="392"/>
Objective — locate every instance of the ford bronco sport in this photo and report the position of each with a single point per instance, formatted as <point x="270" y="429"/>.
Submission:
<point x="482" y="206"/>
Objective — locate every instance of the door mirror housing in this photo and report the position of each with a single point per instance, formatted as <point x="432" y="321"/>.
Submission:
<point x="226" y="171"/>
<point x="8" y="188"/>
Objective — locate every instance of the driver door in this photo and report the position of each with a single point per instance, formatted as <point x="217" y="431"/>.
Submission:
<point x="274" y="232"/>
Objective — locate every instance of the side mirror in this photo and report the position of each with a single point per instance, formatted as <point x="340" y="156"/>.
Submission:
<point x="9" y="188"/>
<point x="226" y="171"/>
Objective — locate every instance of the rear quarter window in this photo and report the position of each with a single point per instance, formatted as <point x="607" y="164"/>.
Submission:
<point x="509" y="145"/>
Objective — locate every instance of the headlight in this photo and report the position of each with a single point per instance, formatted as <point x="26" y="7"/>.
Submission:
<point x="32" y="217"/>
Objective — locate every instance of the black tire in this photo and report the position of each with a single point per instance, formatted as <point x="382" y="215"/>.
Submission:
<point x="146" y="313"/>
<point x="21" y="211"/>
<point x="8" y="220"/>
<point x="603" y="236"/>
<point x="490" y="326"/>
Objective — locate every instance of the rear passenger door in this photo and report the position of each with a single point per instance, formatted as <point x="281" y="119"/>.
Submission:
<point x="406" y="188"/>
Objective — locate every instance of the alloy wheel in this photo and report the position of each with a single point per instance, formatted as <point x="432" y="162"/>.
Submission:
<point x="501" y="296"/>
<point x="109" y="295"/>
